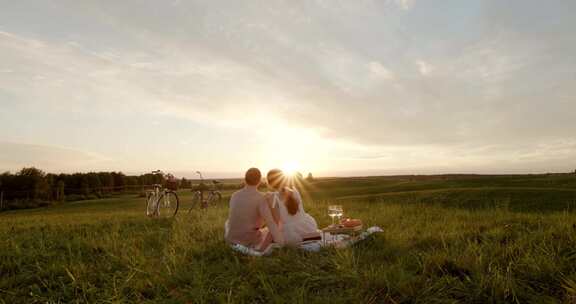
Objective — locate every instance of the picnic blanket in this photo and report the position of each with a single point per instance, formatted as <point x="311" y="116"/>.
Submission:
<point x="332" y="240"/>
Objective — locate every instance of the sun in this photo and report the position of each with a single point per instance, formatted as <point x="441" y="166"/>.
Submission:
<point x="290" y="168"/>
<point x="291" y="148"/>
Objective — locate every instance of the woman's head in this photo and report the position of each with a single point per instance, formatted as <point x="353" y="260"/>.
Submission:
<point x="276" y="179"/>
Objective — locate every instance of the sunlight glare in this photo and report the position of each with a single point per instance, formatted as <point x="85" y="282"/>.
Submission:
<point x="293" y="148"/>
<point x="290" y="168"/>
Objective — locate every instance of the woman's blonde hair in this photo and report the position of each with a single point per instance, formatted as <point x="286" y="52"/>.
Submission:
<point x="279" y="181"/>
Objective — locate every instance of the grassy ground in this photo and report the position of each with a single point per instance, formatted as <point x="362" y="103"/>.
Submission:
<point x="445" y="240"/>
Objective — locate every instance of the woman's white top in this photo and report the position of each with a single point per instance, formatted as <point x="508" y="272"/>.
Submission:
<point x="294" y="227"/>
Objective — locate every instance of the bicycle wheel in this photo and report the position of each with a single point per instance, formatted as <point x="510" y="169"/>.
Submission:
<point x="150" y="204"/>
<point x="196" y="200"/>
<point x="167" y="204"/>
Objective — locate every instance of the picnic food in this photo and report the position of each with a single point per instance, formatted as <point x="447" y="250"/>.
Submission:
<point x="351" y="222"/>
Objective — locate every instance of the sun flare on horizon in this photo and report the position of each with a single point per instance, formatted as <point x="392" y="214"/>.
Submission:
<point x="292" y="148"/>
<point x="290" y="168"/>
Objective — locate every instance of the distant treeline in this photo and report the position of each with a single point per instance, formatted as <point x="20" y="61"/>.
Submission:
<point x="32" y="187"/>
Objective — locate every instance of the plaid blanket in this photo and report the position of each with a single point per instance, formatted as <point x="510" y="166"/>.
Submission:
<point x="335" y="240"/>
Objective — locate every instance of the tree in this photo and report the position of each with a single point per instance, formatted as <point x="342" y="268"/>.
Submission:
<point x="85" y="185"/>
<point x="94" y="183"/>
<point x="33" y="179"/>
<point x="107" y="181"/>
<point x="60" y="196"/>
<point x="309" y="178"/>
<point x="299" y="176"/>
<point x="184" y="183"/>
<point x="119" y="181"/>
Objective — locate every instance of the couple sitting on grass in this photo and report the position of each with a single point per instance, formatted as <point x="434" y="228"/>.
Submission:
<point x="257" y="219"/>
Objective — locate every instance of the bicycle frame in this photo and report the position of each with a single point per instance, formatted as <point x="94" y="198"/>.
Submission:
<point x="159" y="198"/>
<point x="158" y="192"/>
<point x="205" y="195"/>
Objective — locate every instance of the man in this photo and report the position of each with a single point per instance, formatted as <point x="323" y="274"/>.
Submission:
<point x="248" y="211"/>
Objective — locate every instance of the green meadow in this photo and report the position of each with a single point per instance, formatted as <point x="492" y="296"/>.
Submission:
<point x="446" y="239"/>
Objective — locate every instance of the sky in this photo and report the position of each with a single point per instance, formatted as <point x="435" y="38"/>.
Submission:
<point x="337" y="87"/>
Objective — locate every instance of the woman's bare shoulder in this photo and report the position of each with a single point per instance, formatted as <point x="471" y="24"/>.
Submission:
<point x="288" y="190"/>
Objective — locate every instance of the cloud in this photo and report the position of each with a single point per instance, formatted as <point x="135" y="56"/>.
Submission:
<point x="350" y="70"/>
<point x="51" y="158"/>
<point x="69" y="78"/>
<point x="379" y="71"/>
<point x="405" y="4"/>
<point x="424" y="67"/>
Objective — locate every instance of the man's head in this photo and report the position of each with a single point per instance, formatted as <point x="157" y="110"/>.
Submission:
<point x="253" y="177"/>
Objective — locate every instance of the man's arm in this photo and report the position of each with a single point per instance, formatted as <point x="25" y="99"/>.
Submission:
<point x="226" y="224"/>
<point x="266" y="213"/>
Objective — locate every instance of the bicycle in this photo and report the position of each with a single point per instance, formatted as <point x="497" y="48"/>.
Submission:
<point x="162" y="202"/>
<point x="214" y="195"/>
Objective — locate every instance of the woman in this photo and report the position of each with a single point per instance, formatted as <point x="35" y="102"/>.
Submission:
<point x="286" y="203"/>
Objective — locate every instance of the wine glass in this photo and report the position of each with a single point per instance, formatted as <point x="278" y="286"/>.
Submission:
<point x="339" y="212"/>
<point x="332" y="212"/>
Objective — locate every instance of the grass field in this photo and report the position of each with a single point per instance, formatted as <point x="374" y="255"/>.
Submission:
<point x="447" y="239"/>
